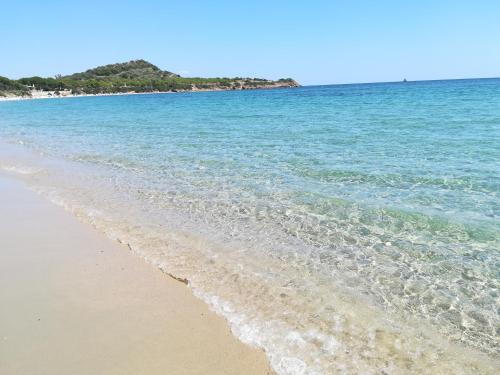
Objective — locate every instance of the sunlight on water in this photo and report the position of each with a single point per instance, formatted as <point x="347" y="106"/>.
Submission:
<point x="344" y="229"/>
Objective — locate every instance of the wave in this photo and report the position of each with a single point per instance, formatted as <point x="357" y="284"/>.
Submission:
<point x="330" y="301"/>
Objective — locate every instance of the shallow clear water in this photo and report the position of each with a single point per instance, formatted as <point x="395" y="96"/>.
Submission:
<point x="344" y="229"/>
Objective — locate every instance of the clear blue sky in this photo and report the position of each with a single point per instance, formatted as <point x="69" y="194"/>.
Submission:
<point x="315" y="42"/>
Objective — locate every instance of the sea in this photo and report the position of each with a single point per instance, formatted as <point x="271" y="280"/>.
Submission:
<point x="343" y="229"/>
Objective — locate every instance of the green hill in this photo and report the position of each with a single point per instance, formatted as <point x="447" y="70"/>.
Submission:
<point x="136" y="76"/>
<point x="136" y="69"/>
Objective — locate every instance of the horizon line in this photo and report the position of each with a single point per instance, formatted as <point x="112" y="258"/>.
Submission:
<point x="402" y="81"/>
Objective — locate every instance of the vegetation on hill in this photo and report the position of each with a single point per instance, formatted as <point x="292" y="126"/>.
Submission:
<point x="137" y="76"/>
<point x="137" y="69"/>
<point x="8" y="86"/>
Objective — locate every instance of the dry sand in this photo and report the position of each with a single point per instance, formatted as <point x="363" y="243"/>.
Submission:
<point x="74" y="302"/>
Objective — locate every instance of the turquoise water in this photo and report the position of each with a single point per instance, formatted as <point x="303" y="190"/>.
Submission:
<point x="344" y="229"/>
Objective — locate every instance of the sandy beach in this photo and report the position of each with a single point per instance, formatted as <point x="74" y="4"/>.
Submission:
<point x="75" y="302"/>
<point x="51" y="95"/>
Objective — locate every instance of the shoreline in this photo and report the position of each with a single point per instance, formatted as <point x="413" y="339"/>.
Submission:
<point x="45" y="94"/>
<point x="20" y="98"/>
<point x="73" y="301"/>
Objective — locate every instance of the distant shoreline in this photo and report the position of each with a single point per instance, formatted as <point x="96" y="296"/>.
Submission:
<point x="18" y="98"/>
<point x="52" y="95"/>
<point x="132" y="77"/>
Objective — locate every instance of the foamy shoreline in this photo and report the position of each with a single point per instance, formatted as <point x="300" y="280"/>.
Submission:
<point x="76" y="302"/>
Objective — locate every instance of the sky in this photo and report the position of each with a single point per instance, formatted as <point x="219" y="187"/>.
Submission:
<point x="314" y="42"/>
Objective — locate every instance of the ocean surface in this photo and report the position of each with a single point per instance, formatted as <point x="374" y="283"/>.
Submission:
<point x="347" y="229"/>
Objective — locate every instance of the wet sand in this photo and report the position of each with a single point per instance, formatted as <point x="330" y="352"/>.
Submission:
<point x="73" y="301"/>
